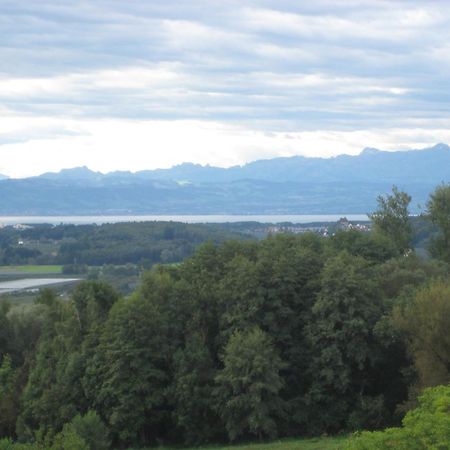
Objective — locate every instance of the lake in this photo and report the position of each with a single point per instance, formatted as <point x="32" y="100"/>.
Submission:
<point x="33" y="283"/>
<point x="79" y="220"/>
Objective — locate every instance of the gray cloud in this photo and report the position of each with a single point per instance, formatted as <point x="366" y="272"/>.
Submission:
<point x="278" y="65"/>
<point x="33" y="132"/>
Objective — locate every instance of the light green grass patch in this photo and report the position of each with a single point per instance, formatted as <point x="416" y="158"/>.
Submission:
<point x="335" y="443"/>
<point x="31" y="269"/>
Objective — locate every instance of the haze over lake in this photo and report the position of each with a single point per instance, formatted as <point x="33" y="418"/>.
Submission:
<point x="78" y="220"/>
<point x="7" y="287"/>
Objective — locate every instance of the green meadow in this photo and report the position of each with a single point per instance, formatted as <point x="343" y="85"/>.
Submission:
<point x="323" y="443"/>
<point x="27" y="269"/>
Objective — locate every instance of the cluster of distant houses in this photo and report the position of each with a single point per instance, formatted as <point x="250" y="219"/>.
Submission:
<point x="296" y="229"/>
<point x="17" y="226"/>
<point x="343" y="224"/>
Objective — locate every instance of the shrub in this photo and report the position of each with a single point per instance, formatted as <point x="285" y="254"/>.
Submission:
<point x="91" y="428"/>
<point x="424" y="428"/>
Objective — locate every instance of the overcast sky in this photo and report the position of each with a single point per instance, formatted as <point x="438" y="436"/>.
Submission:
<point x="140" y="84"/>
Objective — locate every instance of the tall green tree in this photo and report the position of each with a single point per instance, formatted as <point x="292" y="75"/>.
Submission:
<point x="91" y="429"/>
<point x="9" y="403"/>
<point x="192" y="393"/>
<point x="391" y="220"/>
<point x="426" y="322"/>
<point x="127" y="377"/>
<point x="248" y="386"/>
<point x="6" y="330"/>
<point x="342" y="338"/>
<point x="438" y="210"/>
<point x="55" y="391"/>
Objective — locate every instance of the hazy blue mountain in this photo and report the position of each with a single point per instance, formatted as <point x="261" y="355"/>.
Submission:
<point x="77" y="173"/>
<point x="296" y="185"/>
<point x="370" y="165"/>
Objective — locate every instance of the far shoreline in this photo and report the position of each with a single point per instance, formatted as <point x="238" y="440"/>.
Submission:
<point x="184" y="218"/>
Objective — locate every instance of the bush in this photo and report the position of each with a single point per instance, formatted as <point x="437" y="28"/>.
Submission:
<point x="369" y="414"/>
<point x="91" y="428"/>
<point x="8" y="444"/>
<point x="68" y="439"/>
<point x="426" y="427"/>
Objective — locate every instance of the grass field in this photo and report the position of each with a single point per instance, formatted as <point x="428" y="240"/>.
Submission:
<point x="335" y="443"/>
<point x="31" y="269"/>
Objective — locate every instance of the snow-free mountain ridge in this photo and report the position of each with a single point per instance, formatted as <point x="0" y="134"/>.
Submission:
<point x="371" y="165"/>
<point x="290" y="185"/>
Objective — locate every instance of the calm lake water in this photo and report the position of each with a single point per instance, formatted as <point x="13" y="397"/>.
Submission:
<point x="32" y="283"/>
<point x="78" y="220"/>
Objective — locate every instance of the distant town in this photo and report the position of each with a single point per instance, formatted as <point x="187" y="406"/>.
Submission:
<point x="323" y="229"/>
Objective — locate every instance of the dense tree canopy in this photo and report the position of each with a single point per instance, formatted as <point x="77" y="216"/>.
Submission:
<point x="391" y="220"/>
<point x="248" y="386"/>
<point x="426" y="321"/>
<point x="142" y="243"/>
<point x="289" y="335"/>
<point x="438" y="210"/>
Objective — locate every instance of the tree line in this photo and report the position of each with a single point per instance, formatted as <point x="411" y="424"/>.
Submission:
<point x="287" y="336"/>
<point x="141" y="243"/>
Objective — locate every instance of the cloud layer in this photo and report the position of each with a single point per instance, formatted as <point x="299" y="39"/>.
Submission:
<point x="144" y="84"/>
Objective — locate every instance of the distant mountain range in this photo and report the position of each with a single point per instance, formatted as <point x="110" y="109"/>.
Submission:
<point x="295" y="185"/>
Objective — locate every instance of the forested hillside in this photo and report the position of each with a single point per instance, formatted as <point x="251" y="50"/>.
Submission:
<point x="246" y="340"/>
<point x="142" y="243"/>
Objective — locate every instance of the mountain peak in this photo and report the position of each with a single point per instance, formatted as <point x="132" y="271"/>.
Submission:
<point x="78" y="170"/>
<point x="368" y="151"/>
<point x="78" y="173"/>
<point x="440" y="146"/>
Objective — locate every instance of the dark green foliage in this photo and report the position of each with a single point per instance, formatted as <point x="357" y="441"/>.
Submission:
<point x="438" y="211"/>
<point x="91" y="303"/>
<point x="8" y="444"/>
<point x="426" y="322"/>
<point x="373" y="248"/>
<point x="290" y="335"/>
<point x="424" y="428"/>
<point x="274" y="288"/>
<point x="69" y="439"/>
<point x="192" y="390"/>
<point x="391" y="220"/>
<point x="9" y="405"/>
<point x="91" y="429"/>
<point x="245" y="339"/>
<point x="141" y="243"/>
<point x="248" y="386"/>
<point x="20" y="331"/>
<point x="407" y="273"/>
<point x="6" y="330"/>
<point x="54" y="393"/>
<point x="341" y="331"/>
<point x="129" y="371"/>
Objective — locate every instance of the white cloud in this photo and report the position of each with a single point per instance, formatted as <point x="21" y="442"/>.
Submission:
<point x="120" y="78"/>
<point x="394" y="21"/>
<point x="108" y="145"/>
<point x="219" y="83"/>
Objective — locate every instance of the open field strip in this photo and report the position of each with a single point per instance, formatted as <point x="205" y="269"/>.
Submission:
<point x="32" y="269"/>
<point x="325" y="443"/>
